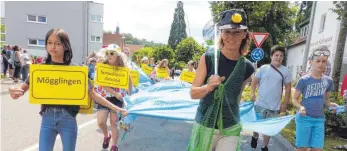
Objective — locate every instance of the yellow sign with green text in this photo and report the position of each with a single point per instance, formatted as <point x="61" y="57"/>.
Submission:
<point x="135" y="77"/>
<point x="147" y="69"/>
<point x="162" y="72"/>
<point x="116" y="77"/>
<point x="52" y="84"/>
<point x="187" y="76"/>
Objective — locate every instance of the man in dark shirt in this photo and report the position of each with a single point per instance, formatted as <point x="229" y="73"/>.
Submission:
<point x="5" y="60"/>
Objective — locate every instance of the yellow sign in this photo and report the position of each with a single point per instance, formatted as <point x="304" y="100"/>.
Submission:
<point x="116" y="77"/>
<point x="135" y="77"/>
<point x="88" y="109"/>
<point x="187" y="76"/>
<point x="162" y="72"/>
<point x="65" y="85"/>
<point x="147" y="69"/>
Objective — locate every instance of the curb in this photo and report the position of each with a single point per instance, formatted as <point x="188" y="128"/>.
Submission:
<point x="280" y="140"/>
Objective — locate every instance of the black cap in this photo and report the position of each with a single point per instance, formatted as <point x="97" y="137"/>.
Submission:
<point x="234" y="19"/>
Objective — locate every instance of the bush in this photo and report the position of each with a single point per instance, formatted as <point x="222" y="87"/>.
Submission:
<point x="181" y="65"/>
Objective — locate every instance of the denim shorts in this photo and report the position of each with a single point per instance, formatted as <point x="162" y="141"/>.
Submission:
<point x="309" y="132"/>
<point x="114" y="101"/>
<point x="263" y="113"/>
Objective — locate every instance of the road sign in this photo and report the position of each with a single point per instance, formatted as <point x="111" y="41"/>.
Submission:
<point x="259" y="38"/>
<point x="257" y="54"/>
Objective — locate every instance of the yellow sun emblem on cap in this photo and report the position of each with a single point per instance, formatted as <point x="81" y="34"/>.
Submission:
<point x="118" y="49"/>
<point x="236" y="18"/>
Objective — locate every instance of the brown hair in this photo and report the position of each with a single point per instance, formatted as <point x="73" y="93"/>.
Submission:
<point x="277" y="48"/>
<point x="244" y="48"/>
<point x="161" y="64"/>
<point x="64" y="39"/>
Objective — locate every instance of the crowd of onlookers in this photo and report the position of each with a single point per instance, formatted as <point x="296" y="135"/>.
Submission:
<point x="15" y="62"/>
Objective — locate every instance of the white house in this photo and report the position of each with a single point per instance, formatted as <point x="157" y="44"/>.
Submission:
<point x="325" y="31"/>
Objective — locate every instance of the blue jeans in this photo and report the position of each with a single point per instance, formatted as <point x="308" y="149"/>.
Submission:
<point x="57" y="121"/>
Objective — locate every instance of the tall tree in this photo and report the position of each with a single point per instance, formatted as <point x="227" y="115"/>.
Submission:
<point x="341" y="10"/>
<point x="178" y="27"/>
<point x="275" y="17"/>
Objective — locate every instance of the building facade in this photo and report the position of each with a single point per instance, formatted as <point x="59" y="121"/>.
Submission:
<point x="27" y="23"/>
<point x="325" y="31"/>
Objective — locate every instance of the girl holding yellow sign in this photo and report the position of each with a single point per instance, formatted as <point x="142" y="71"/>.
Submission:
<point x="60" y="119"/>
<point x="161" y="71"/>
<point x="188" y="74"/>
<point x="115" y="96"/>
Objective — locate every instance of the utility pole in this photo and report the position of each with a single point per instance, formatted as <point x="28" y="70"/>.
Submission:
<point x="308" y="40"/>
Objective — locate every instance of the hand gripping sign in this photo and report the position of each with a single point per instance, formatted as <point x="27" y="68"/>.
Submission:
<point x="51" y="84"/>
<point x="117" y="77"/>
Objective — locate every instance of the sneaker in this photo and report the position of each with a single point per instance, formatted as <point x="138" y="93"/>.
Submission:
<point x="254" y="142"/>
<point x="264" y="148"/>
<point x="106" y="142"/>
<point x="114" y="148"/>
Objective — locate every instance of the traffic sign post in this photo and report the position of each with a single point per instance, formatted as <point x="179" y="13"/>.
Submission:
<point x="259" y="38"/>
<point x="258" y="53"/>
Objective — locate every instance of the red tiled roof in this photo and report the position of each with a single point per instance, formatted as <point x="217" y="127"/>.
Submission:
<point x="297" y="42"/>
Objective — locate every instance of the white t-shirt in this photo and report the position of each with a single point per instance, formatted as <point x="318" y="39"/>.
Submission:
<point x="269" y="90"/>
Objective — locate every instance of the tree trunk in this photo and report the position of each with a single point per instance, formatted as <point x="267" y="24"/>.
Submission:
<point x="340" y="49"/>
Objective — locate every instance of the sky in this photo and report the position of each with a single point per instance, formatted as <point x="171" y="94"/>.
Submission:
<point x="152" y="19"/>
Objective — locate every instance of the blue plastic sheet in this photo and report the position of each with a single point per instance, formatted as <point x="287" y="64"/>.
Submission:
<point x="171" y="100"/>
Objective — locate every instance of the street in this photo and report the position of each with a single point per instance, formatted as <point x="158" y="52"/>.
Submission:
<point x="21" y="125"/>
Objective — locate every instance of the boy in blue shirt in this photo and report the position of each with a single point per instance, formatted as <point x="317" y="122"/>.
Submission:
<point x="315" y="88"/>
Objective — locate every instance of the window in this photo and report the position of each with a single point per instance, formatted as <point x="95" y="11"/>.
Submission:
<point x="32" y="18"/>
<point x="36" y="19"/>
<point x="304" y="31"/>
<point x="322" y="23"/>
<point x="36" y="42"/>
<point x="41" y="42"/>
<point x="96" y="18"/>
<point x="41" y="19"/>
<point x="95" y="39"/>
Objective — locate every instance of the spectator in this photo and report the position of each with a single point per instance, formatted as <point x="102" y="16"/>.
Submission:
<point x="17" y="63"/>
<point x="5" y="59"/>
<point x="26" y="60"/>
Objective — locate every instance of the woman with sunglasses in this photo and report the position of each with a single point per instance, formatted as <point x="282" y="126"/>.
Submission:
<point x="59" y="119"/>
<point x="113" y="57"/>
<point x="315" y="88"/>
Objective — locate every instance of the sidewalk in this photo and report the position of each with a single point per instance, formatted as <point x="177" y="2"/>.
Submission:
<point x="7" y="83"/>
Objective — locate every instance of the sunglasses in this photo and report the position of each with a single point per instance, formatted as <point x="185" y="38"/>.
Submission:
<point x="111" y="53"/>
<point x="321" y="53"/>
